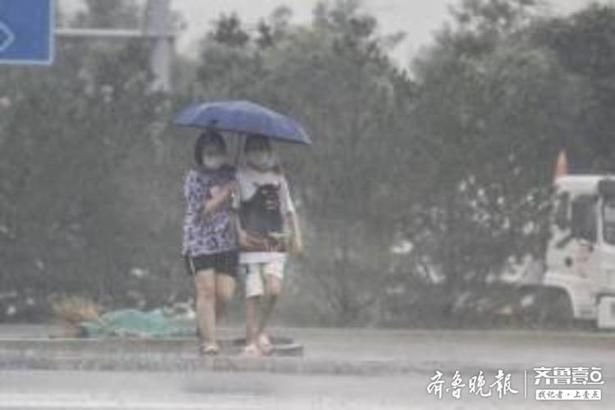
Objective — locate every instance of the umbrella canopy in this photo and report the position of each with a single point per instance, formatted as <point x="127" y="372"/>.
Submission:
<point x="244" y="117"/>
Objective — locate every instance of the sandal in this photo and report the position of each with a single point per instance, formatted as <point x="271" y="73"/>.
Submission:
<point x="209" y="349"/>
<point x="251" y="350"/>
<point x="264" y="343"/>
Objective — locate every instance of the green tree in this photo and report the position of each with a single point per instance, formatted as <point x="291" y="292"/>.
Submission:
<point x="584" y="44"/>
<point x="72" y="219"/>
<point x="493" y="107"/>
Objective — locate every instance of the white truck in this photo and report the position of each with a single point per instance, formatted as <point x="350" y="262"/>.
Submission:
<point x="577" y="278"/>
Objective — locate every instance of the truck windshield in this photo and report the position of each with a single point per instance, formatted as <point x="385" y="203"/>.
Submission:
<point x="608" y="212"/>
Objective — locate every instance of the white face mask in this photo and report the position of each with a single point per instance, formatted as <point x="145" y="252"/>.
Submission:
<point x="213" y="161"/>
<point x="260" y="159"/>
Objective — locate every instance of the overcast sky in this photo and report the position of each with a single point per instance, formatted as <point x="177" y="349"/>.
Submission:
<point x="418" y="18"/>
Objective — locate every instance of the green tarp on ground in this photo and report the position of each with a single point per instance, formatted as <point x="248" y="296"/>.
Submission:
<point x="135" y="323"/>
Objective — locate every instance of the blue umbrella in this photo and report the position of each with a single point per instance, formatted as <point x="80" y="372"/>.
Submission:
<point x="243" y="117"/>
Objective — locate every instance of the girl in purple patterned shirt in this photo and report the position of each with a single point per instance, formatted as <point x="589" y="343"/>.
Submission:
<point x="210" y="245"/>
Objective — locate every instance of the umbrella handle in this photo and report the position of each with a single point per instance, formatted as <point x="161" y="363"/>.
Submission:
<point x="239" y="148"/>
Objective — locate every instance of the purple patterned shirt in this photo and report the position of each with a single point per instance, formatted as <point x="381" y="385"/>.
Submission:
<point x="213" y="233"/>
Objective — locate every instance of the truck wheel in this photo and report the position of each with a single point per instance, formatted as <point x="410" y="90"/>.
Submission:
<point x="551" y="309"/>
<point x="558" y="313"/>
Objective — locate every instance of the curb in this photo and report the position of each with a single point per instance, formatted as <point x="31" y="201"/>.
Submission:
<point x="179" y="355"/>
<point x="231" y="364"/>
<point x="282" y="346"/>
<point x="190" y="363"/>
<point x="180" y="363"/>
<point x="165" y="363"/>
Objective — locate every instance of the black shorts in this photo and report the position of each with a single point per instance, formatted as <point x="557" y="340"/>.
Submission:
<point x="225" y="263"/>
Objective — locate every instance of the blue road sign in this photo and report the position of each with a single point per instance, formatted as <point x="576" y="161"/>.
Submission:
<point x="26" y="31"/>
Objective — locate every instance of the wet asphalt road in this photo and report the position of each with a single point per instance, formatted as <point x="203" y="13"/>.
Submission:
<point x="224" y="391"/>
<point x="469" y="352"/>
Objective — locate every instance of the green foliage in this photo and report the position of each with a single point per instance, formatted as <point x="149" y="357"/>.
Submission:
<point x="72" y="217"/>
<point x="229" y="32"/>
<point x="585" y="45"/>
<point x="107" y="14"/>
<point x="493" y="106"/>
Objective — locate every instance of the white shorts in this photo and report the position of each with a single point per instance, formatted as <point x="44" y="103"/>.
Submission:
<point x="254" y="274"/>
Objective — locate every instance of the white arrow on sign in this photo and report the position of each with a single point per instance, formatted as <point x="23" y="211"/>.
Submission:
<point x="6" y="37"/>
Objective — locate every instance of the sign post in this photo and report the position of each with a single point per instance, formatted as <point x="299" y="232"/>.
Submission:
<point x="27" y="31"/>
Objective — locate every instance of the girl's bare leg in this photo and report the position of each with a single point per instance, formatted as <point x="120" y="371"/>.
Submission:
<point x="206" y="306"/>
<point x="252" y="322"/>
<point x="225" y="288"/>
<point x="273" y="287"/>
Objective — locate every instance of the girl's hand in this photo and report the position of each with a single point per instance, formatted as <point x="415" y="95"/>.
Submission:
<point x="220" y="197"/>
<point x="297" y="246"/>
<point x="222" y="191"/>
<point x="227" y="190"/>
<point x="248" y="242"/>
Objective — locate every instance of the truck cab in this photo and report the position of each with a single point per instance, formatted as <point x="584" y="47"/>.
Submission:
<point x="580" y="256"/>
